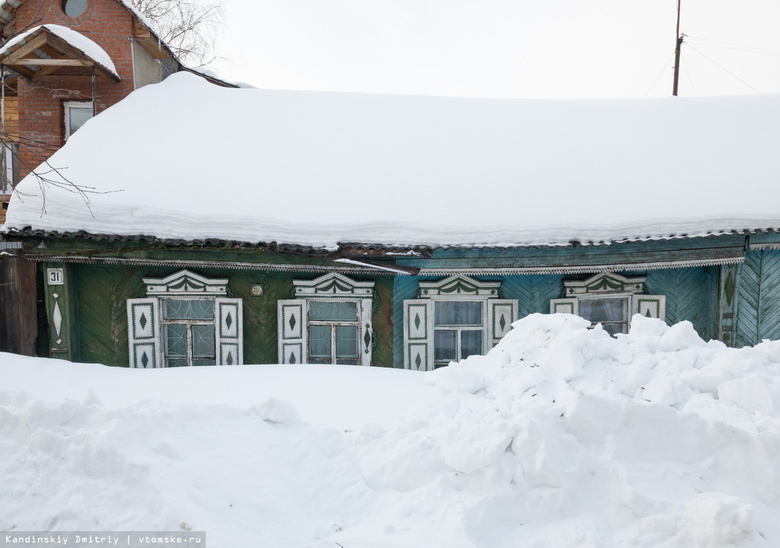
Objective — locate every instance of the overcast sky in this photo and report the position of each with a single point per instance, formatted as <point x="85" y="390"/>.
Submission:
<point x="503" y="48"/>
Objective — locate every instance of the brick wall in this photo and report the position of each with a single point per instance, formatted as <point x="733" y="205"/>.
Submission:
<point x="41" y="105"/>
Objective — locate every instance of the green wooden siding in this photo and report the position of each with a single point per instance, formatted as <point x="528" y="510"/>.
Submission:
<point x="758" y="301"/>
<point x="691" y="294"/>
<point x="102" y="292"/>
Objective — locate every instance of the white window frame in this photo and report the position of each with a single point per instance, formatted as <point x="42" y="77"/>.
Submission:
<point x="608" y="285"/>
<point x="70" y="105"/>
<point x="420" y="318"/>
<point x="146" y="323"/>
<point x="294" y="319"/>
<point x="189" y="323"/>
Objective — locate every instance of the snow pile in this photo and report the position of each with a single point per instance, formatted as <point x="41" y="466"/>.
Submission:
<point x="316" y="169"/>
<point x="560" y="436"/>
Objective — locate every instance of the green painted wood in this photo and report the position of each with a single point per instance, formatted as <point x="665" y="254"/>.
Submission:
<point x="692" y="249"/>
<point x="533" y="293"/>
<point x="404" y="287"/>
<point x="758" y="312"/>
<point x="691" y="294"/>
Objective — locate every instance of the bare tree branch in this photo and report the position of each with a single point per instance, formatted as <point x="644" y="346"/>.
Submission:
<point x="188" y="27"/>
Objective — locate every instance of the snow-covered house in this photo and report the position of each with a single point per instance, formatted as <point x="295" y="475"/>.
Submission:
<point x="214" y="225"/>
<point x="62" y="62"/>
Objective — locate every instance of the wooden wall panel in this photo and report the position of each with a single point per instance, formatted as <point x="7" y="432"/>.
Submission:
<point x="18" y="308"/>
<point x="691" y="294"/>
<point x="758" y="303"/>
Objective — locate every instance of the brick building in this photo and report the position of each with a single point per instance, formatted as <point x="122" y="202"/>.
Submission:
<point x="63" y="61"/>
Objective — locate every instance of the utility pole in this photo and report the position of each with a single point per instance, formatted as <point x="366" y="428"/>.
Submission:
<point x="677" y="52"/>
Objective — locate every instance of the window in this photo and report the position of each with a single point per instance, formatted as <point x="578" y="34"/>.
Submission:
<point x="333" y="332"/>
<point x="455" y="318"/>
<point x="328" y="323"/>
<point x="76" y="115"/>
<point x="458" y="330"/>
<point x="185" y="320"/>
<point x="188" y="332"/>
<point x="610" y="300"/>
<point x="74" y="8"/>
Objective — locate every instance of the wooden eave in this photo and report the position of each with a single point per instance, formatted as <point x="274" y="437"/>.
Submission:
<point x="44" y="56"/>
<point x="150" y="42"/>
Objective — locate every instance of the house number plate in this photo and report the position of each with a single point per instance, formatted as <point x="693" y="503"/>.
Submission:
<point x="55" y="276"/>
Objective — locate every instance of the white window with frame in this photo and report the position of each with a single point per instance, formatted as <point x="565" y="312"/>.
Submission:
<point x="185" y="320"/>
<point x="329" y="322"/>
<point x="609" y="299"/>
<point x="76" y="115"/>
<point x="454" y="318"/>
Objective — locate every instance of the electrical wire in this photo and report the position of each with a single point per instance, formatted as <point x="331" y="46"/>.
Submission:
<point x="663" y="70"/>
<point x="722" y="68"/>
<point x="735" y="47"/>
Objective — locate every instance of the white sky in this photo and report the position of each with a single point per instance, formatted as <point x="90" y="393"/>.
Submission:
<point x="503" y="48"/>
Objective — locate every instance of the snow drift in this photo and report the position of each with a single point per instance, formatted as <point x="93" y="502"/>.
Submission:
<point x="185" y="159"/>
<point x="560" y="436"/>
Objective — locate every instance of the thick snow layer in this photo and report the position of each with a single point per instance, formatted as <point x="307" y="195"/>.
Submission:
<point x="73" y="38"/>
<point x="187" y="159"/>
<point x="560" y="436"/>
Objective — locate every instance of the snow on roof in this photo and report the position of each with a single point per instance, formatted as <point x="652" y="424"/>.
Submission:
<point x="73" y="38"/>
<point x="186" y="159"/>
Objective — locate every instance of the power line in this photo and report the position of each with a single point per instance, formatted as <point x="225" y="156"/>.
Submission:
<point x="735" y="47"/>
<point x="722" y="68"/>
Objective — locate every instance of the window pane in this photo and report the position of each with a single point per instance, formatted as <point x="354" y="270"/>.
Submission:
<point x="181" y="309"/>
<point x="176" y="340"/>
<point x="445" y="345"/>
<point x="333" y="311"/>
<point x="611" y="309"/>
<point x="210" y="361"/>
<point x="74" y="8"/>
<point x="346" y="344"/>
<point x="319" y="344"/>
<point x="203" y="341"/>
<point x="175" y="362"/>
<point x="470" y="343"/>
<point x="614" y="328"/>
<point x="78" y="116"/>
<point x="458" y="313"/>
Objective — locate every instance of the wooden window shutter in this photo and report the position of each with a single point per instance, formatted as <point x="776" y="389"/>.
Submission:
<point x="229" y="331"/>
<point x="143" y="333"/>
<point x="292" y="331"/>
<point x="650" y="306"/>
<point x="418" y="335"/>
<point x="501" y="314"/>
<point x="563" y="306"/>
<point x="366" y="332"/>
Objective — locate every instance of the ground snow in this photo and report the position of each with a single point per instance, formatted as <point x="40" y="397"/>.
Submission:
<point x="560" y="436"/>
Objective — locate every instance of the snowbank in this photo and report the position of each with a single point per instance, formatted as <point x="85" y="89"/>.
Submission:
<point x="316" y="168"/>
<point x="560" y="436"/>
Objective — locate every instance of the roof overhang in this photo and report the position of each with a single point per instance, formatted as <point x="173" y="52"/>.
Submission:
<point x="40" y="55"/>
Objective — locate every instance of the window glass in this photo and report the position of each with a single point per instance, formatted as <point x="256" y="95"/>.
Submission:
<point x="333" y="311"/>
<point x="470" y="343"/>
<point x="203" y="341"/>
<point x="77" y="115"/>
<point x="319" y="344"/>
<point x="74" y="8"/>
<point x="346" y="344"/>
<point x="186" y="309"/>
<point x="458" y="313"/>
<point x="175" y="345"/>
<point x="445" y="345"/>
<point x="610" y="312"/>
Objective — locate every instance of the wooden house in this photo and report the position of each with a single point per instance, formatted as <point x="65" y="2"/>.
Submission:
<point x="230" y="226"/>
<point x="62" y="62"/>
